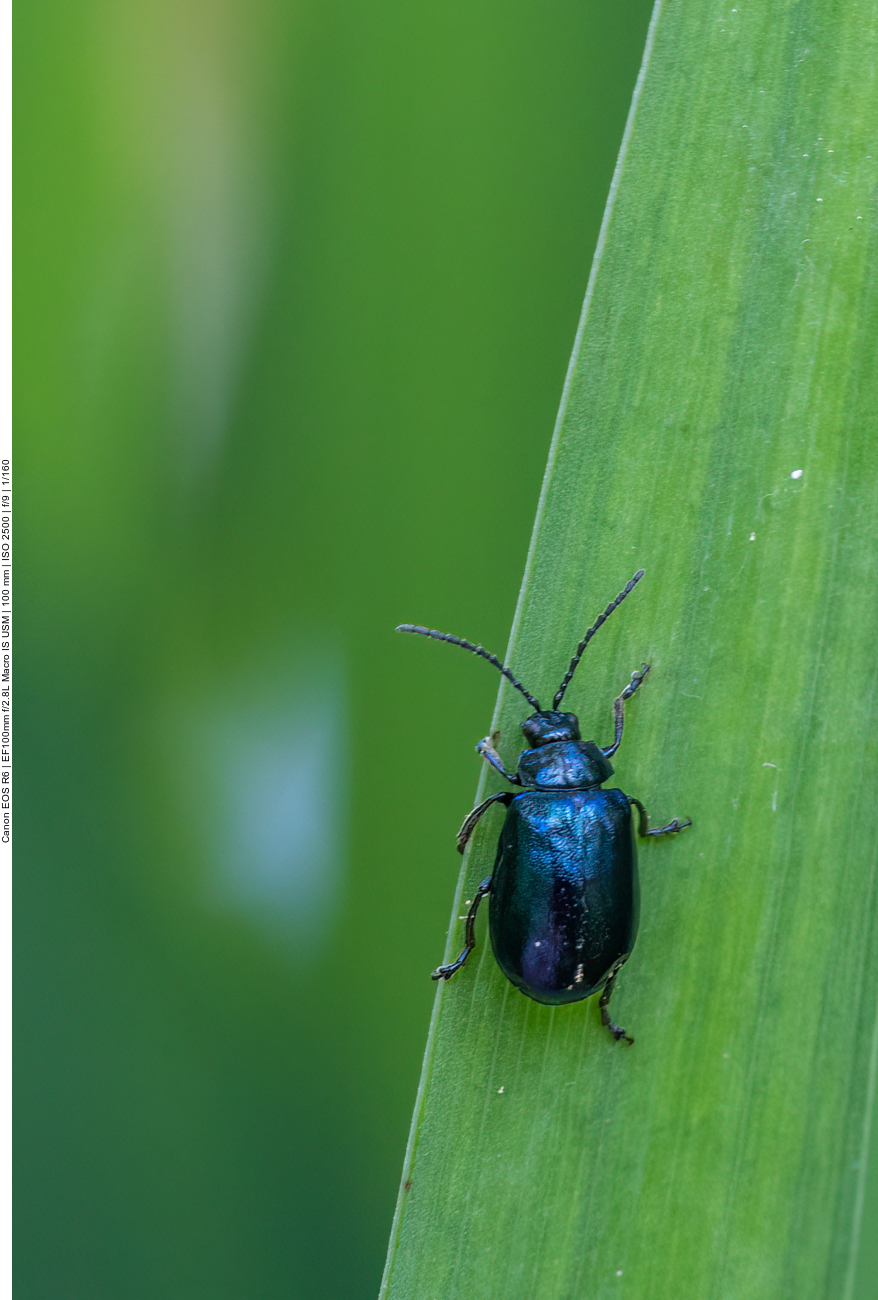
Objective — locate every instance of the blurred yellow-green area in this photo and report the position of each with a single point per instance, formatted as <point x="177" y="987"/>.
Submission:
<point x="297" y="286"/>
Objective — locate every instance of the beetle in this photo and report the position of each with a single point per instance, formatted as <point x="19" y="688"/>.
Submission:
<point x="565" y="897"/>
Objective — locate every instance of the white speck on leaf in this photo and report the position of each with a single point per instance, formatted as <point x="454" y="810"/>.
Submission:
<point x="797" y="473"/>
<point x="752" y="537"/>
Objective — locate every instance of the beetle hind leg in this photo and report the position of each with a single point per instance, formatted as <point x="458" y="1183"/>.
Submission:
<point x="616" y="1030"/>
<point x="445" y="972"/>
<point x="643" y="822"/>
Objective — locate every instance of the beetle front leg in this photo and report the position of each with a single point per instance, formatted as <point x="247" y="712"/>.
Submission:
<point x="445" y="972"/>
<point x="643" y="822"/>
<point x="619" y="708"/>
<point x="472" y="818"/>
<point x="616" y="1030"/>
<point x="489" y="753"/>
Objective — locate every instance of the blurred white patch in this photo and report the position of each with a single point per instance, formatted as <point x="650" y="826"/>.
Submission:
<point x="273" y="751"/>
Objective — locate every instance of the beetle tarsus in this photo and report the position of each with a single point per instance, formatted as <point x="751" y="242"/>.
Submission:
<point x="636" y="680"/>
<point x="618" y="1032"/>
<point x="672" y="828"/>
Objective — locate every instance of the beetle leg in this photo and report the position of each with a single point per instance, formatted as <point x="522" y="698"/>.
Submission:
<point x="619" y="708"/>
<point x="616" y="1030"/>
<point x="489" y="753"/>
<point x="471" y="819"/>
<point x="445" y="972"/>
<point x="643" y="822"/>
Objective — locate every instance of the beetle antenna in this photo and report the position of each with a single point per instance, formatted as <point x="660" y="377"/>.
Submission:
<point x="476" y="650"/>
<point x="590" y="633"/>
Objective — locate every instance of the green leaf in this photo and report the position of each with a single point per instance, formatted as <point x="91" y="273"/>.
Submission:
<point x="718" y="429"/>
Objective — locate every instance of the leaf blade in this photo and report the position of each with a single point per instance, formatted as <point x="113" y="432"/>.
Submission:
<point x="715" y="429"/>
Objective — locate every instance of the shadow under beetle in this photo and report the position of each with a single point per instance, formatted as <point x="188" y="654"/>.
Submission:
<point x="565" y="897"/>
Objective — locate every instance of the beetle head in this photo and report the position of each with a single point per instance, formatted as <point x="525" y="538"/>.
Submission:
<point x="545" y="727"/>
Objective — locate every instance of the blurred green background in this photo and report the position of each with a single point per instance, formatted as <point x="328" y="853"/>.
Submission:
<point x="297" y="288"/>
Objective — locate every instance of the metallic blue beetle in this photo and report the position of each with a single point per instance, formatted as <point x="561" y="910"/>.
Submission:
<point x="565" y="894"/>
